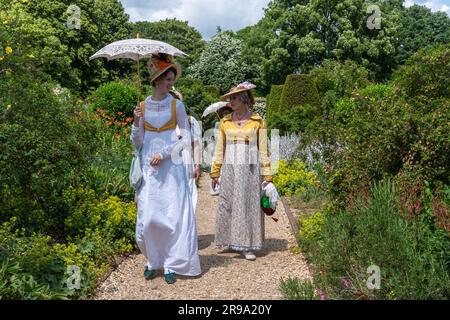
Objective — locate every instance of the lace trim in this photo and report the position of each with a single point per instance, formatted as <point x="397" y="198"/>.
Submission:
<point x="159" y="106"/>
<point x="239" y="248"/>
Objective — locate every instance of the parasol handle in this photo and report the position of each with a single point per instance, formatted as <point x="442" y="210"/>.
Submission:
<point x="138" y="76"/>
<point x="138" y="81"/>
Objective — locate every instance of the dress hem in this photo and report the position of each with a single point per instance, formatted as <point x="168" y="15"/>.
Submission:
<point x="239" y="248"/>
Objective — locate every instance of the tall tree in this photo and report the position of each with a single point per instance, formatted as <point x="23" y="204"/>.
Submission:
<point x="100" y="22"/>
<point x="221" y="63"/>
<point x="421" y="28"/>
<point x="312" y="31"/>
<point x="255" y="50"/>
<point x="175" y="32"/>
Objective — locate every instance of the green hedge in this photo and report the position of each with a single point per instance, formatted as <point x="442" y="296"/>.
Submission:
<point x="273" y="101"/>
<point x="299" y="89"/>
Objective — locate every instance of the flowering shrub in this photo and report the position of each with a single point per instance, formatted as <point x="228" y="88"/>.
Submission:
<point x="111" y="218"/>
<point x="411" y="254"/>
<point x="260" y="107"/>
<point x="293" y="177"/>
<point x="288" y="146"/>
<point x="310" y="228"/>
<point x="116" y="97"/>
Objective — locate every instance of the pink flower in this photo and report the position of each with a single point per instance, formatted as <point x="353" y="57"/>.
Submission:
<point x="345" y="282"/>
<point x="322" y="295"/>
<point x="246" y="85"/>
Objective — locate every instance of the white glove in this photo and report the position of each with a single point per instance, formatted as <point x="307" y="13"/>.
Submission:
<point x="272" y="193"/>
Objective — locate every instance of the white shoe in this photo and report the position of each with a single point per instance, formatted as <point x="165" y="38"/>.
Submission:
<point x="249" y="255"/>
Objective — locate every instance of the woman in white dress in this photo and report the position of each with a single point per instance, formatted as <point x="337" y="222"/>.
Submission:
<point x="165" y="230"/>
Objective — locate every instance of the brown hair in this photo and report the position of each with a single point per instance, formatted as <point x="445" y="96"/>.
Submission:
<point x="221" y="111"/>
<point x="247" y="98"/>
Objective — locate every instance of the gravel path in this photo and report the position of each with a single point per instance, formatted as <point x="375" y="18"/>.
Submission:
<point x="225" y="276"/>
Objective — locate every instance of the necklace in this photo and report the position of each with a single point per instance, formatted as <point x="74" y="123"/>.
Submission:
<point x="240" y="119"/>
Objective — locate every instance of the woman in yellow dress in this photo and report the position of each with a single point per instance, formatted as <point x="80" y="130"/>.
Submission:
<point x="242" y="163"/>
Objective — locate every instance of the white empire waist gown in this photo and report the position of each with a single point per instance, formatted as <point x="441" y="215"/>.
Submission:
<point x="165" y="230"/>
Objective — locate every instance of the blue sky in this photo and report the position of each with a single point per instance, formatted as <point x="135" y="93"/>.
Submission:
<point x="206" y="15"/>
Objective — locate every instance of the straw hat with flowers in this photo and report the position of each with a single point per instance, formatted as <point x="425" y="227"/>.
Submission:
<point x="244" y="86"/>
<point x="158" y="64"/>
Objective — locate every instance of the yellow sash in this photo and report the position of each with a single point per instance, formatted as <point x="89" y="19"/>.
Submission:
<point x="170" y="125"/>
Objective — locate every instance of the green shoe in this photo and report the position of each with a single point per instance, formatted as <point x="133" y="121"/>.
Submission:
<point x="170" y="277"/>
<point x="149" y="273"/>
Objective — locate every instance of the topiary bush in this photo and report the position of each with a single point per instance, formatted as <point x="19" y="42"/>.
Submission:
<point x="273" y="117"/>
<point x="298" y="106"/>
<point x="299" y="89"/>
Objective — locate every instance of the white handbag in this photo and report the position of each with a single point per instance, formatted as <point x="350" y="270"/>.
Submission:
<point x="136" y="170"/>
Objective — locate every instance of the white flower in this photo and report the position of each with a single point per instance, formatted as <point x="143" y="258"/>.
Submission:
<point x="246" y="85"/>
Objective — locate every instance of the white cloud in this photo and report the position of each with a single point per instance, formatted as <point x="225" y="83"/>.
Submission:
<point x="206" y="15"/>
<point x="434" y="5"/>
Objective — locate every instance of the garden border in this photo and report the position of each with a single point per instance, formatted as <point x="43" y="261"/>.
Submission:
<point x="291" y="219"/>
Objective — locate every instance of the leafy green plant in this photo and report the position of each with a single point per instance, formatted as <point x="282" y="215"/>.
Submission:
<point x="310" y="228"/>
<point x="411" y="255"/>
<point x="114" y="219"/>
<point x="295" y="289"/>
<point x="109" y="169"/>
<point x="115" y="97"/>
<point x="17" y="285"/>
<point x="45" y="148"/>
<point x="293" y="177"/>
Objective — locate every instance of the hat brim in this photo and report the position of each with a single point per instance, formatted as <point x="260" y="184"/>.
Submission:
<point x="233" y="91"/>
<point x="176" y="66"/>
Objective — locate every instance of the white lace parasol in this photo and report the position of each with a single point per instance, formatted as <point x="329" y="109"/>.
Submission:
<point x="136" y="49"/>
<point x="214" y="107"/>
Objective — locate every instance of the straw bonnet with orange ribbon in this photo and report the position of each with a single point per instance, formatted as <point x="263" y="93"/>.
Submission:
<point x="244" y="86"/>
<point x="158" y="64"/>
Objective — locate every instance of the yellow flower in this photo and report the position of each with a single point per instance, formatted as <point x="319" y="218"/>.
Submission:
<point x="1" y="58"/>
<point x="8" y="50"/>
<point x="30" y="56"/>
